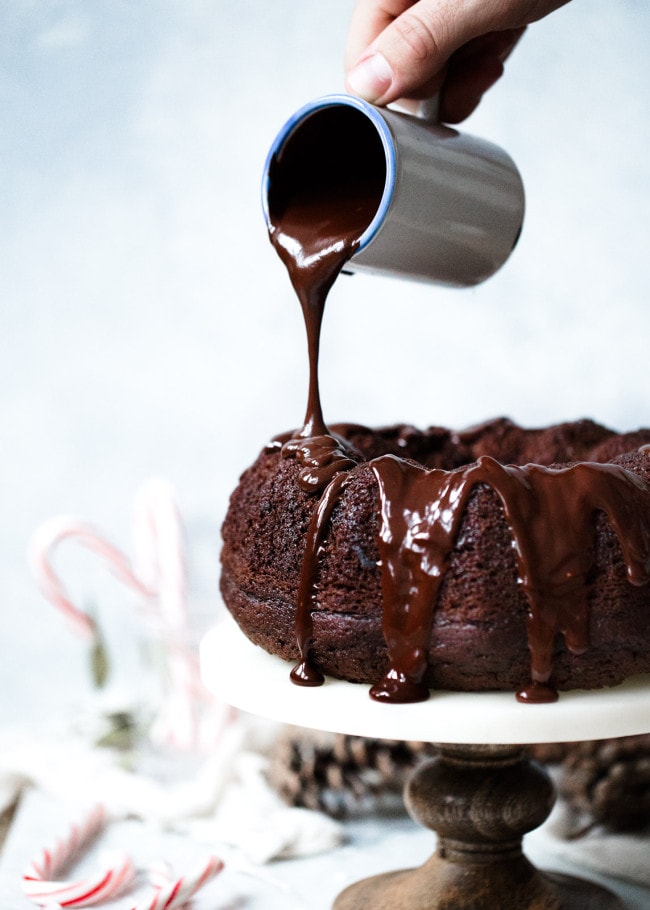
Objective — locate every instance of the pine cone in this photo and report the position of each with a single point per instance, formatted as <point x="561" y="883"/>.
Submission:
<point x="606" y="781"/>
<point x="339" y="774"/>
<point x="610" y="781"/>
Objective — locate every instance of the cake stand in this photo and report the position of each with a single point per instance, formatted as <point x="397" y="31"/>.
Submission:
<point x="480" y="795"/>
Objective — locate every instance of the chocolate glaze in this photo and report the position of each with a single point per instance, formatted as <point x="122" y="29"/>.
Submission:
<point x="551" y="511"/>
<point x="322" y="459"/>
<point x="306" y="673"/>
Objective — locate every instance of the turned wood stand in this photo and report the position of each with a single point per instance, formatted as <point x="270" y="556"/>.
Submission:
<point x="480" y="800"/>
<point x="481" y="793"/>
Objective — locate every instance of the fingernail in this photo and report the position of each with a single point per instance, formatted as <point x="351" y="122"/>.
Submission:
<point x="371" y="78"/>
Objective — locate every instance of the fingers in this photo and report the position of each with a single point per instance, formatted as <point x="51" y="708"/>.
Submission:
<point x="409" y="45"/>
<point x="472" y="70"/>
<point x="399" y="48"/>
<point x="369" y="19"/>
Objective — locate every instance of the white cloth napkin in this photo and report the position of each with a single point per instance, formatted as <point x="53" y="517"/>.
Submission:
<point x="222" y="800"/>
<point x="226" y="800"/>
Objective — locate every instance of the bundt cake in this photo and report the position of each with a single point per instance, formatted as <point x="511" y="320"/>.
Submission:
<point x="495" y="558"/>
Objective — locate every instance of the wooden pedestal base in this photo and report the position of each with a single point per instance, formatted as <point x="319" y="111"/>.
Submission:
<point x="480" y="800"/>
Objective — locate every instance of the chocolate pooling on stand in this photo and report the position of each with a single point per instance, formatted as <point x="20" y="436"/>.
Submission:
<point x="317" y="218"/>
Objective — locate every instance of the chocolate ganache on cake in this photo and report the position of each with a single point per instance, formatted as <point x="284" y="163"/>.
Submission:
<point x="493" y="558"/>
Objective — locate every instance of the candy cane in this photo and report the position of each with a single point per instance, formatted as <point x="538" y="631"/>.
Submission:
<point x="157" y="576"/>
<point x="173" y="893"/>
<point x="39" y="880"/>
<point x="158" y="549"/>
<point x="159" y="560"/>
<point x="42" y="545"/>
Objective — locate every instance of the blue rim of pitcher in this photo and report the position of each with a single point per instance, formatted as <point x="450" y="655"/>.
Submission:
<point x="387" y="142"/>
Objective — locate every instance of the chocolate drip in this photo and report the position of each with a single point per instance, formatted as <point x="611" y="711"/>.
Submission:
<point x="551" y="513"/>
<point x="322" y="458"/>
<point x="420" y="514"/>
<point x="305" y="673"/>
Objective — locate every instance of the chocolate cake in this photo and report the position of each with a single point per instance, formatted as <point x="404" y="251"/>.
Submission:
<point x="494" y="558"/>
<point x="507" y="594"/>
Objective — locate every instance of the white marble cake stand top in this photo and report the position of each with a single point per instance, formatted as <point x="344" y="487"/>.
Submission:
<point x="248" y="678"/>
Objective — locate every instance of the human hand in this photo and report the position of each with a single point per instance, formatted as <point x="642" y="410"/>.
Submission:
<point x="416" y="48"/>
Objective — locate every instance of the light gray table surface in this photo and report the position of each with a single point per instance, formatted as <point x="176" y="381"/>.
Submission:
<point x="373" y="845"/>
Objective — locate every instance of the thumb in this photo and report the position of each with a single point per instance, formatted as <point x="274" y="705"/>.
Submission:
<point x="408" y="57"/>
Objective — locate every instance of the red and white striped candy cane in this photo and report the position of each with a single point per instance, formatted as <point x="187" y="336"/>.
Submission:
<point x="40" y="883"/>
<point x="158" y="578"/>
<point x="158" y="559"/>
<point x="41" y="549"/>
<point x="174" y="893"/>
